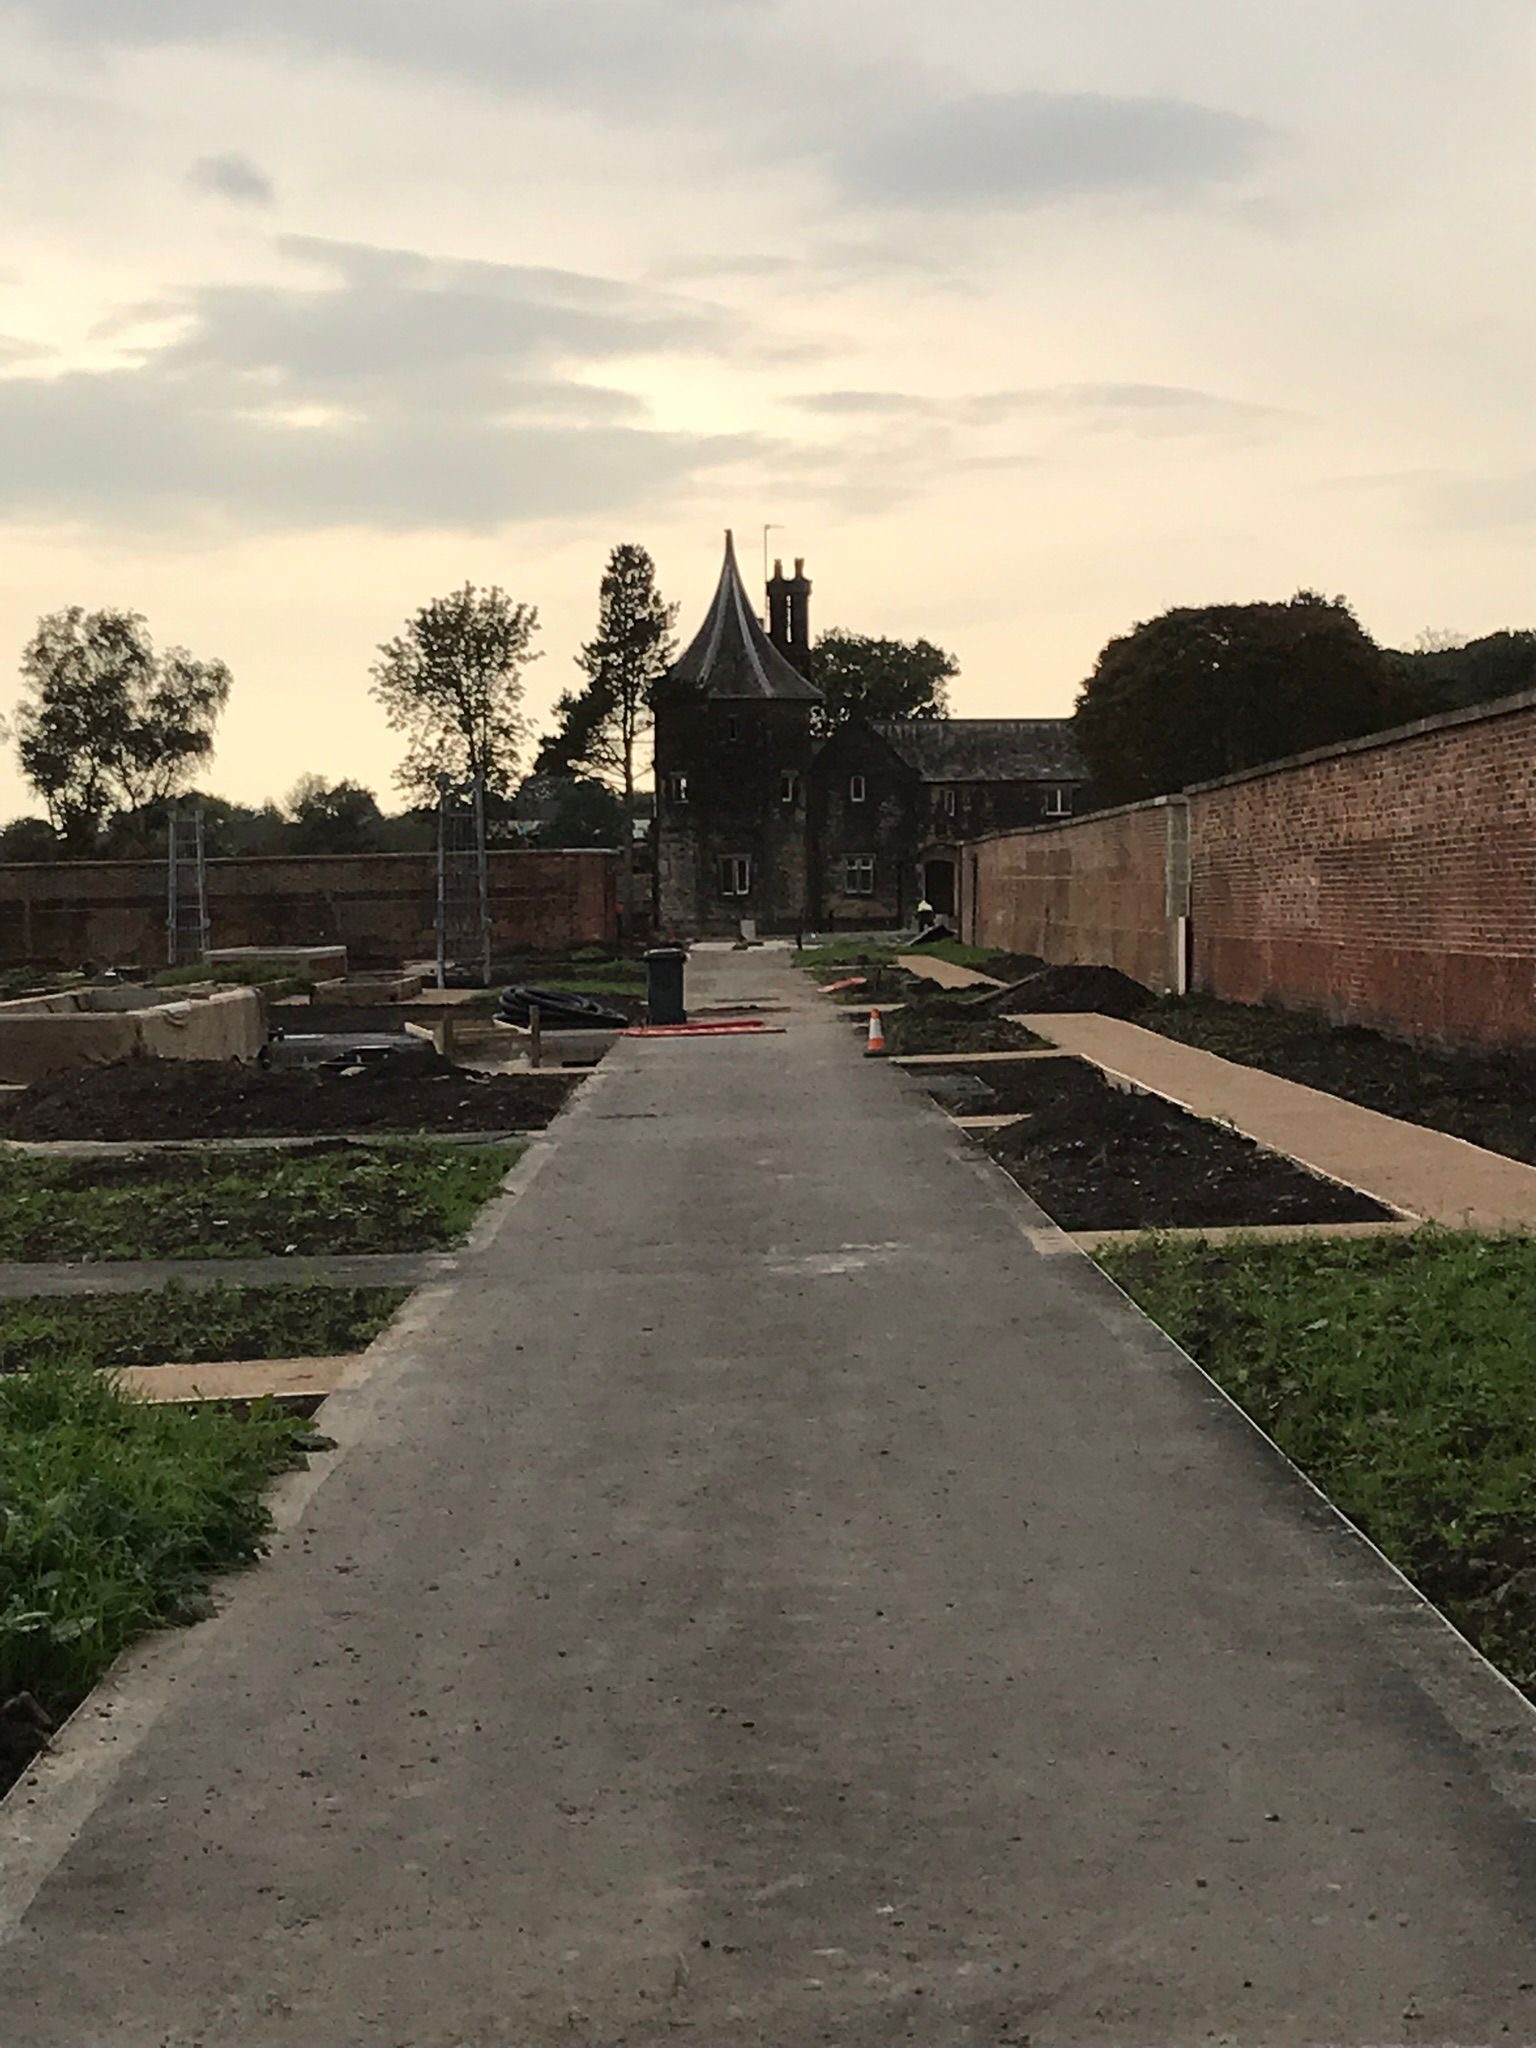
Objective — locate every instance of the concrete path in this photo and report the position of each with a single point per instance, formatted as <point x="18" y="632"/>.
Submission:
<point x="1426" y="1173"/>
<point x="763" y="1602"/>
<point x="944" y="973"/>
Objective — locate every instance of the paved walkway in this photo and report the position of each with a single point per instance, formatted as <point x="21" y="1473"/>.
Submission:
<point x="1428" y="1174"/>
<point x="944" y="973"/>
<point x="762" y="1601"/>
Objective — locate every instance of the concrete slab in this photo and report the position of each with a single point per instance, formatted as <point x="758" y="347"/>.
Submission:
<point x="988" y="1123"/>
<point x="1421" y="1172"/>
<point x="944" y="972"/>
<point x="136" y="1276"/>
<point x="260" y="1379"/>
<point x="835" y="1623"/>
<point x="1263" y="1233"/>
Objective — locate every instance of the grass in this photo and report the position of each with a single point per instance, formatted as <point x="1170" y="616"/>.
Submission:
<point x="276" y="977"/>
<point x="177" y="1325"/>
<point x="1396" y="1373"/>
<point x="116" y="1516"/>
<point x="382" y="1198"/>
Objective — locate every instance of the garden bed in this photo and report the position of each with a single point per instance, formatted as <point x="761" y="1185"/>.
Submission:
<point x="1396" y="1373"/>
<point x="1488" y="1098"/>
<point x="250" y="1204"/>
<point x="952" y="1023"/>
<point x="117" y="1516"/>
<point x="181" y="1326"/>
<point x="1098" y="1157"/>
<point x="411" y="1091"/>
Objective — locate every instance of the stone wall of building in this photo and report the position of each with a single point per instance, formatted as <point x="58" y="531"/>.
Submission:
<point x="380" y="906"/>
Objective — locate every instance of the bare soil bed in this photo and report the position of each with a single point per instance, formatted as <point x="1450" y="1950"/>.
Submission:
<point x="954" y="1023"/>
<point x="1098" y="1157"/>
<point x="1488" y="1098"/>
<point x="1064" y="991"/>
<point x="411" y="1091"/>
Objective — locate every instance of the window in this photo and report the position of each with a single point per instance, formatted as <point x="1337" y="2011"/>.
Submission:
<point x="856" y="789"/>
<point x="733" y="728"/>
<point x="735" y="875"/>
<point x="677" y="789"/>
<point x="1058" y="803"/>
<point x="859" y="875"/>
<point x="789" y="787"/>
<point x="950" y="801"/>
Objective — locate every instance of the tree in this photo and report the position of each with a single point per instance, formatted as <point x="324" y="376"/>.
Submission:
<point x="1448" y="672"/>
<point x="452" y="683"/>
<point x="334" y="817"/>
<point x="107" y="726"/>
<point x="31" y="839"/>
<point x="882" y="678"/>
<point x="603" y="726"/>
<point x="1197" y="694"/>
<point x="583" y="812"/>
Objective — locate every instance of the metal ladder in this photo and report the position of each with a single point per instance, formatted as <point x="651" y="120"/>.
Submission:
<point x="463" y="882"/>
<point x="186" y="912"/>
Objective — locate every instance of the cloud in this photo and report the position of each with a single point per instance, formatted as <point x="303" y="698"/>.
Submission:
<point x="390" y="390"/>
<point x="232" y="177"/>
<point x="1026" y="149"/>
<point x="1127" y="407"/>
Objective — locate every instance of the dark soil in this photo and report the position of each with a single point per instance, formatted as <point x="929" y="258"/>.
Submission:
<point x="953" y="1023"/>
<point x="1061" y="991"/>
<point x="1012" y="967"/>
<point x="1002" y="1088"/>
<point x="1488" y="1098"/>
<point x="1101" y="1158"/>
<point x="406" y="1092"/>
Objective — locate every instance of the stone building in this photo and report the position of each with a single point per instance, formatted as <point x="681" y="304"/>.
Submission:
<point x="763" y="815"/>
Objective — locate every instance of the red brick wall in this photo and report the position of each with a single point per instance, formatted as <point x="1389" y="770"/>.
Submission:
<point x="1092" y="892"/>
<point x="1391" y="884"/>
<point x="381" y="906"/>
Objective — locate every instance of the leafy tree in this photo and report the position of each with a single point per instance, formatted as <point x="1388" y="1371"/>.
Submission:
<point x="106" y="725"/>
<point x="29" y="839"/>
<point x="604" y="725"/>
<point x="882" y="678"/>
<point x="452" y="683"/>
<point x="1197" y="694"/>
<point x="333" y="817"/>
<point x="577" y="810"/>
<point x="1447" y="673"/>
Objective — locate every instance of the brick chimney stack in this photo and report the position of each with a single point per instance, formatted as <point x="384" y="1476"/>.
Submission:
<point x="789" y="614"/>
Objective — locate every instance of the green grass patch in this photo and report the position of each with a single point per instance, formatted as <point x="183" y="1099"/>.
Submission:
<point x="273" y="977"/>
<point x="115" y="1517"/>
<point x="856" y="952"/>
<point x="1396" y="1372"/>
<point x="377" y="1198"/>
<point x="185" y="1326"/>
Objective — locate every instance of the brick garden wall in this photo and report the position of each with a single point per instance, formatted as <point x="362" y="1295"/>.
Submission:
<point x="380" y="906"/>
<point x="1390" y="882"/>
<point x="1091" y="892"/>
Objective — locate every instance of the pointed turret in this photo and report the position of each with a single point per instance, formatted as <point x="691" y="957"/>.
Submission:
<point x="732" y="657"/>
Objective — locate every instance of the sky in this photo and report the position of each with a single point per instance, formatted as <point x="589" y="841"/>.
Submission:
<point x="1021" y="320"/>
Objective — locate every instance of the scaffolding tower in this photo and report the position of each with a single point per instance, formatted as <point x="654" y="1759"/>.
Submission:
<point x="463" y="885"/>
<point x="186" y="899"/>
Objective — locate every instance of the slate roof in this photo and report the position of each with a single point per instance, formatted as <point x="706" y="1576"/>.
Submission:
<point x="987" y="749"/>
<point x="732" y="657"/>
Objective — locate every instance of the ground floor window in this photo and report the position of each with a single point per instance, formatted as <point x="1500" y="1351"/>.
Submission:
<point x="859" y="875"/>
<point x="735" y="875"/>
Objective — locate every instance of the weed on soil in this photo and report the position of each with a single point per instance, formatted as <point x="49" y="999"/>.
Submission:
<point x="1396" y="1373"/>
<point x="117" y="1515"/>
<point x="1488" y="1098"/>
<point x="1098" y="1157"/>
<point x="953" y="1023"/>
<point x="411" y="1091"/>
<point x="181" y="1326"/>
<point x="245" y="1204"/>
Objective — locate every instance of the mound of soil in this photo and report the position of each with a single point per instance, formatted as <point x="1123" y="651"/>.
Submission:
<point x="1012" y="967"/>
<point x="1061" y="991"/>
<point x="991" y="1088"/>
<point x="954" y="1023"/>
<point x="1100" y="1158"/>
<point x="410" y="1090"/>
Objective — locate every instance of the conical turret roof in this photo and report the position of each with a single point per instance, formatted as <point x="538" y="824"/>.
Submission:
<point x="732" y="657"/>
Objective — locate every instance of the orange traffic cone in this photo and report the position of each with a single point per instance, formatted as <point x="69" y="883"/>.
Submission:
<point x="875" y="1049"/>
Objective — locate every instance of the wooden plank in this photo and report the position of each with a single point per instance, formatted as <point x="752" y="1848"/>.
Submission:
<point x="253" y="1379"/>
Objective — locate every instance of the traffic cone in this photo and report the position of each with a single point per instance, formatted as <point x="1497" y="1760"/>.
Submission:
<point x="875" y="1049"/>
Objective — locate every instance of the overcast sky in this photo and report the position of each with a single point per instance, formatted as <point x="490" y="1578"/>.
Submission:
<point x="1022" y="320"/>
